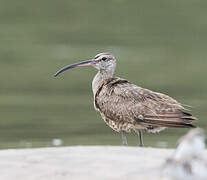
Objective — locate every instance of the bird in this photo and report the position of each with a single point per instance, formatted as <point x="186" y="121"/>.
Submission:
<point x="189" y="160"/>
<point x="126" y="107"/>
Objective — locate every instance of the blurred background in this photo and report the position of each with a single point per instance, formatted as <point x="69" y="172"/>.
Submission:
<point x="160" y="45"/>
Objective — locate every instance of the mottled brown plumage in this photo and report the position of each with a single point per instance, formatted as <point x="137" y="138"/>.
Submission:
<point x="125" y="106"/>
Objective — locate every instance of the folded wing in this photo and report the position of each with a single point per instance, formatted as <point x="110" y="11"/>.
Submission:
<point x="119" y="100"/>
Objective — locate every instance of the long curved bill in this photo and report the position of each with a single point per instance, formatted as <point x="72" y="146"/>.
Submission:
<point x="91" y="62"/>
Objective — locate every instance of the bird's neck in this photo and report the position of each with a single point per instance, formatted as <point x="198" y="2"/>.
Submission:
<point x="99" y="78"/>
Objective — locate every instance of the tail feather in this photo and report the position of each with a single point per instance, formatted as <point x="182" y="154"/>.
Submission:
<point x="168" y="124"/>
<point x="178" y="119"/>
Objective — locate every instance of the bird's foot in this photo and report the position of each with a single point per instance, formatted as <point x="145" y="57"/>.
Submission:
<point x="141" y="144"/>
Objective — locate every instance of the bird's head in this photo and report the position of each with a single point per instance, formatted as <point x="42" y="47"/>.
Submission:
<point x="105" y="61"/>
<point x="102" y="62"/>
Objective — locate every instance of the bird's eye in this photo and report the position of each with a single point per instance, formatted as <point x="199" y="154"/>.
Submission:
<point x="104" y="58"/>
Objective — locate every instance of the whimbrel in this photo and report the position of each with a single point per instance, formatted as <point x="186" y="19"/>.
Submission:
<point x="125" y="106"/>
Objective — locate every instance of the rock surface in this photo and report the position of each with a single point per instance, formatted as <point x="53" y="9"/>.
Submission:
<point x="82" y="162"/>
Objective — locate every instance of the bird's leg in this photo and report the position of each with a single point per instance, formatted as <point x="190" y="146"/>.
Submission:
<point x="124" y="138"/>
<point x="141" y="144"/>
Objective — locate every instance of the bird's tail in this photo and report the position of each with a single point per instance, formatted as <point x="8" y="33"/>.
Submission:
<point x="181" y="119"/>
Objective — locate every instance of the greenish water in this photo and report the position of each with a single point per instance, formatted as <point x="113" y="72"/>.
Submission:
<point x="160" y="45"/>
